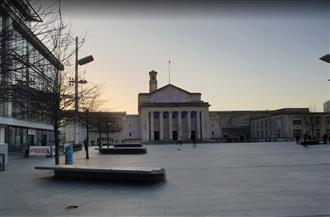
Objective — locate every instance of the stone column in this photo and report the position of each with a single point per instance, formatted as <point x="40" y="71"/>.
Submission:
<point x="180" y="126"/>
<point x="2" y="135"/>
<point x="170" y="130"/>
<point x="189" y="124"/>
<point x="152" y="125"/>
<point x="161" y="128"/>
<point x="198" y="133"/>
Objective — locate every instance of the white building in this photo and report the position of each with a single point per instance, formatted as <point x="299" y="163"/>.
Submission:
<point x="171" y="113"/>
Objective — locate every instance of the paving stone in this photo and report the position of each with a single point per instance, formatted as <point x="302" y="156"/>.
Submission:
<point x="235" y="179"/>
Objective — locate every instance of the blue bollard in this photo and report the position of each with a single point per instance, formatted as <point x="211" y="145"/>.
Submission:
<point x="69" y="154"/>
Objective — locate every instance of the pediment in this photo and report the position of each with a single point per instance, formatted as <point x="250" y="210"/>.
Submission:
<point x="171" y="94"/>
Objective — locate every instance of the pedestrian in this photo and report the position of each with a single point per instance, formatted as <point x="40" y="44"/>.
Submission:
<point x="297" y="139"/>
<point x="193" y="138"/>
<point x="325" y="139"/>
<point x="179" y="142"/>
<point x="305" y="137"/>
<point x="27" y="151"/>
<point x="86" y="148"/>
<point x="304" y="143"/>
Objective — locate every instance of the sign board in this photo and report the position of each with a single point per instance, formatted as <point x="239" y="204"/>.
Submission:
<point x="42" y="150"/>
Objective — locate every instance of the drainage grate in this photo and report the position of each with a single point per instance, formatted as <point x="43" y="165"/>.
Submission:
<point x="71" y="207"/>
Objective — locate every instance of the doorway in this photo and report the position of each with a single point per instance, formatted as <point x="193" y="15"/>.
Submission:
<point x="175" y="135"/>
<point x="192" y="134"/>
<point x="156" y="135"/>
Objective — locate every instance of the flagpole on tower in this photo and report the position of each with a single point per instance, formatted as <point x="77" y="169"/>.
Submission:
<point x="169" y="71"/>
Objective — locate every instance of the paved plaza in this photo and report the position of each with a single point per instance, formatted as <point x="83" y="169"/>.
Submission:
<point x="232" y="179"/>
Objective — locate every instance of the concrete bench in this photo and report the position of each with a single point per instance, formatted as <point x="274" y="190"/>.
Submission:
<point x="123" y="149"/>
<point x="311" y="142"/>
<point x="127" y="145"/>
<point x="107" y="173"/>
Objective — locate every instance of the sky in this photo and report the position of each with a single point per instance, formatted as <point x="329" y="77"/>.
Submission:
<point x="239" y="56"/>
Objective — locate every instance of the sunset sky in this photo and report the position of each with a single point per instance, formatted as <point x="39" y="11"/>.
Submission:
<point x="238" y="56"/>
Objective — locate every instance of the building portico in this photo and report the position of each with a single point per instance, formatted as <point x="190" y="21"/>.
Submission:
<point x="167" y="124"/>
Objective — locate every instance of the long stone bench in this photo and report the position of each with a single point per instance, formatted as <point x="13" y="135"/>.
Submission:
<point x="127" y="145"/>
<point x="107" y="173"/>
<point x="123" y="149"/>
<point x="311" y="142"/>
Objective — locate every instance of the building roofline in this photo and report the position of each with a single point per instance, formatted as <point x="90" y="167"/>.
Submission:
<point x="163" y="87"/>
<point x="270" y="111"/>
<point x="177" y="104"/>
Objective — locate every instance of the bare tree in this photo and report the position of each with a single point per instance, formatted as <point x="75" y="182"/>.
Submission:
<point x="29" y="82"/>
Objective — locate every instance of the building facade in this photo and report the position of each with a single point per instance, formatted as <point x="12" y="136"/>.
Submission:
<point x="169" y="113"/>
<point x="23" y="57"/>
<point x="289" y="124"/>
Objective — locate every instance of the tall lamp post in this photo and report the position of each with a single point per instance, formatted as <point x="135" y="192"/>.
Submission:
<point x="80" y="62"/>
<point x="326" y="58"/>
<point x="108" y="126"/>
<point x="87" y="133"/>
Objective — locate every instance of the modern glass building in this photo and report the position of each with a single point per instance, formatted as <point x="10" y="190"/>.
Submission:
<point x="26" y="64"/>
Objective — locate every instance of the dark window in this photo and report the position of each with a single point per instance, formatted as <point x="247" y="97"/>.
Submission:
<point x="296" y="122"/>
<point x="212" y="133"/>
<point x="129" y="134"/>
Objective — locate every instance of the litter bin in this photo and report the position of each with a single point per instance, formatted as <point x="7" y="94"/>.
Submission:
<point x="69" y="154"/>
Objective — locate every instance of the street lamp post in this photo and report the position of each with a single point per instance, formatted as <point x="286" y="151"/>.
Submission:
<point x="108" y="126"/>
<point x="326" y="58"/>
<point x="81" y="61"/>
<point x="87" y="133"/>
